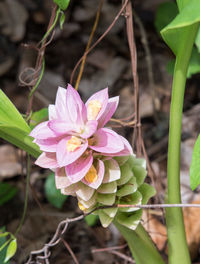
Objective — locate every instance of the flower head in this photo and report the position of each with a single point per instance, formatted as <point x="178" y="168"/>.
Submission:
<point x="91" y="162"/>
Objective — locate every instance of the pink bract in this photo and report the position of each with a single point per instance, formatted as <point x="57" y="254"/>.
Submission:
<point x="74" y="140"/>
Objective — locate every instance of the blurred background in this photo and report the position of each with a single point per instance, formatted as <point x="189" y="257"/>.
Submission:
<point x="23" y="23"/>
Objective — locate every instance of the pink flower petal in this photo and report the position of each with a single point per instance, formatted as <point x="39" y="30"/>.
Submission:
<point x="60" y="105"/>
<point x="65" y="157"/>
<point x="100" y="173"/>
<point x="47" y="160"/>
<point x="89" y="129"/>
<point x="75" y="106"/>
<point x="109" y="111"/>
<point x="126" y="151"/>
<point x="107" y="141"/>
<point x="48" y="145"/>
<point x="102" y="97"/>
<point x="61" y="127"/>
<point x="52" y="112"/>
<point x="61" y="179"/>
<point x="42" y="131"/>
<point x="78" y="169"/>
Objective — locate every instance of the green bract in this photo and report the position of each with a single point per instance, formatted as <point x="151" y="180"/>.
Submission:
<point x="130" y="189"/>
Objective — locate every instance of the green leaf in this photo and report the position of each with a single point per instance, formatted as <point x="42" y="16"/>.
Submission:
<point x="13" y="128"/>
<point x="165" y="13"/>
<point x="2" y="242"/>
<point x="10" y="115"/>
<point x="19" y="138"/>
<point x="194" y="65"/>
<point x="91" y="219"/>
<point x="7" y="192"/>
<point x="11" y="250"/>
<point x="53" y="195"/>
<point x="174" y="33"/>
<point x="63" y="4"/>
<point x="4" y="234"/>
<point x="197" y="41"/>
<point x="38" y="117"/>
<point x="195" y="165"/>
<point x="62" y="20"/>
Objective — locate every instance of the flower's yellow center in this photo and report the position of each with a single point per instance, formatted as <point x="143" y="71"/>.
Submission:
<point x="81" y="206"/>
<point x="91" y="176"/>
<point x="94" y="107"/>
<point x="73" y="144"/>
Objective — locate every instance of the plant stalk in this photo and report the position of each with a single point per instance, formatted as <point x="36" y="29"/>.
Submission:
<point x="141" y="246"/>
<point x="178" y="249"/>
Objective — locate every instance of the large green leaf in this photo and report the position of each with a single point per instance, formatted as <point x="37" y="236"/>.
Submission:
<point x="195" y="165"/>
<point x="13" y="128"/>
<point x="53" y="195"/>
<point x="189" y="15"/>
<point x="19" y="138"/>
<point x="10" y="115"/>
<point x="165" y="13"/>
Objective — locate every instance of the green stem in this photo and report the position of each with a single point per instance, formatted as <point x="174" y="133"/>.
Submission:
<point x="38" y="81"/>
<point x="141" y="245"/>
<point x="58" y="12"/>
<point x="178" y="250"/>
<point x="26" y="196"/>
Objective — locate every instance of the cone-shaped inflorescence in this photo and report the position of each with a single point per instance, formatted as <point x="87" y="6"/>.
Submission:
<point x="92" y="162"/>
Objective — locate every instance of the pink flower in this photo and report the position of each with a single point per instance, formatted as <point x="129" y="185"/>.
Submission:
<point x="74" y="141"/>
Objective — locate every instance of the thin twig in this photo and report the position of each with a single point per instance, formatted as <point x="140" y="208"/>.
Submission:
<point x="70" y="251"/>
<point x="137" y="137"/>
<point x="121" y="255"/>
<point x="99" y="40"/>
<point x="88" y="44"/>
<point x="145" y="43"/>
<point x="160" y="206"/>
<point x="97" y="250"/>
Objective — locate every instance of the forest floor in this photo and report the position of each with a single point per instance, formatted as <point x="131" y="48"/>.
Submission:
<point x="25" y="22"/>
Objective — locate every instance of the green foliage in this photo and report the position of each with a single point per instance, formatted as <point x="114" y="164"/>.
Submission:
<point x="7" y="192"/>
<point x="11" y="250"/>
<point x="62" y="20"/>
<point x="174" y="33"/>
<point x="13" y="128"/>
<point x="63" y="4"/>
<point x="91" y="219"/>
<point x="38" y="117"/>
<point x="3" y="235"/>
<point x="197" y="40"/>
<point x="195" y="165"/>
<point x="194" y="65"/>
<point x="166" y="12"/>
<point x="53" y="195"/>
